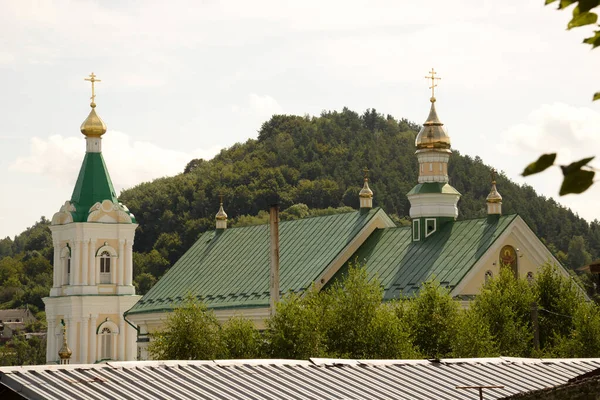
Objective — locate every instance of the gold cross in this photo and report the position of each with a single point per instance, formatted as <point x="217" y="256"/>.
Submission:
<point x="366" y="172"/>
<point x="92" y="79"/>
<point x="433" y="84"/>
<point x="494" y="175"/>
<point x="221" y="198"/>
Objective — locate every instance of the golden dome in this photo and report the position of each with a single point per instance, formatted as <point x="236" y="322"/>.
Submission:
<point x="366" y="191"/>
<point x="433" y="135"/>
<point x="221" y="215"/>
<point x="494" y="196"/>
<point x="93" y="126"/>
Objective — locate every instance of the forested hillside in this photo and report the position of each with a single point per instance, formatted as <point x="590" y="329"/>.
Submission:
<point x="315" y="161"/>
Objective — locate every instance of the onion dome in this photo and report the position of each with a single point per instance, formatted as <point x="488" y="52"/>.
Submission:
<point x="221" y="215"/>
<point x="494" y="196"/>
<point x="433" y="135"/>
<point x="93" y="126"/>
<point x="366" y="191"/>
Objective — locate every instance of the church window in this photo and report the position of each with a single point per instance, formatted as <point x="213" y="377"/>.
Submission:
<point x="488" y="275"/>
<point x="441" y="168"/>
<point x="430" y="167"/>
<point x="66" y="262"/>
<point x="105" y="267"/>
<point x="508" y="259"/>
<point x="416" y="230"/>
<point x="421" y="167"/>
<point x="106" y="344"/>
<point x="430" y="226"/>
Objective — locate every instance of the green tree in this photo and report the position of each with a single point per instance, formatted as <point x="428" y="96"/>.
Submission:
<point x="433" y="320"/>
<point x="240" y="339"/>
<point x="296" y="330"/>
<point x="191" y="332"/>
<point x="388" y="334"/>
<point x="143" y="282"/>
<point x="558" y="298"/>
<point x="352" y="306"/>
<point x="473" y="336"/>
<point x="584" y="339"/>
<point x="504" y="303"/>
<point x="578" y="256"/>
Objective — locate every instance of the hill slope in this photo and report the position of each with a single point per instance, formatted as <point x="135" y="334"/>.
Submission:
<point x="318" y="161"/>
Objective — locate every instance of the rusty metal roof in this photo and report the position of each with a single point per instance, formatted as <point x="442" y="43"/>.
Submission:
<point x="289" y="379"/>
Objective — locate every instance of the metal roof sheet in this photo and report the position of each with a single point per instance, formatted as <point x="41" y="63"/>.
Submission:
<point x="290" y="379"/>
<point x="403" y="265"/>
<point x="231" y="268"/>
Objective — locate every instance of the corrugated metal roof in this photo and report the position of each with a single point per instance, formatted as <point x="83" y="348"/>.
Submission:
<point x="402" y="265"/>
<point x="288" y="379"/>
<point x="231" y="268"/>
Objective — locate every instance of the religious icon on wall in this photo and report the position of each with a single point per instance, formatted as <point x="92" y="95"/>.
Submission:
<point x="508" y="258"/>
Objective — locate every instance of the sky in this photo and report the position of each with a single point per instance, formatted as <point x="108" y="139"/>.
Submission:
<point x="184" y="79"/>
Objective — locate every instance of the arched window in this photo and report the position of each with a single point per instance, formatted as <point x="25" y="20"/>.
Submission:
<point x="105" y="267"/>
<point x="488" y="275"/>
<point x="65" y="255"/>
<point x="106" y="344"/>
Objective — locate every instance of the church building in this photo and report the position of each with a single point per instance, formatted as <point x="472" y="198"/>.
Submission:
<point x="94" y="314"/>
<point x="92" y="234"/>
<point x="229" y="268"/>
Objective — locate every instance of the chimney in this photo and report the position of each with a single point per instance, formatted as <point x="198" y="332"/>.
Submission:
<point x="274" y="275"/>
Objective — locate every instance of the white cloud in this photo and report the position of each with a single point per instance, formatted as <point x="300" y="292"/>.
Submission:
<point x="261" y="107"/>
<point x="571" y="132"/>
<point x="129" y="162"/>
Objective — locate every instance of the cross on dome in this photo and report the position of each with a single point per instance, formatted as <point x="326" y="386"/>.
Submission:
<point x="433" y="84"/>
<point x="93" y="79"/>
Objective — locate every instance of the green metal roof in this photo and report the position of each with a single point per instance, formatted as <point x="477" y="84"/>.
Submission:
<point x="230" y="269"/>
<point x="433" y="187"/>
<point x="403" y="265"/>
<point x="93" y="185"/>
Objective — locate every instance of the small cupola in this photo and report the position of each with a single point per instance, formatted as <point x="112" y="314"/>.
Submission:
<point x="494" y="199"/>
<point x="366" y="194"/>
<point x="221" y="216"/>
<point x="65" y="352"/>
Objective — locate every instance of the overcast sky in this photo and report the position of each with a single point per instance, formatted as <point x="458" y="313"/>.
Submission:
<point x="182" y="80"/>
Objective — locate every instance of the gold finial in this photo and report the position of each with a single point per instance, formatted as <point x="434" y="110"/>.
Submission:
<point x="366" y="191"/>
<point x="93" y="126"/>
<point x="221" y="215"/>
<point x="494" y="196"/>
<point x="433" y="84"/>
<point x="93" y="79"/>
<point x="65" y="352"/>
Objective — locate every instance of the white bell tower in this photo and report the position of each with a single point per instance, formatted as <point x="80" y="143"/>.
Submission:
<point x="93" y="245"/>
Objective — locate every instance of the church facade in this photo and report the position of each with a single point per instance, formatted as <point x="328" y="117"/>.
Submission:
<point x="93" y="235"/>
<point x="228" y="269"/>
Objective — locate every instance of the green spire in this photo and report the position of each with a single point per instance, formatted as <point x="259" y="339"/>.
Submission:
<point x="93" y="185"/>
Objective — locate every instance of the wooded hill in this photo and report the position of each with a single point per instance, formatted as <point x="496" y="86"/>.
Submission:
<point x="312" y="161"/>
<point x="318" y="161"/>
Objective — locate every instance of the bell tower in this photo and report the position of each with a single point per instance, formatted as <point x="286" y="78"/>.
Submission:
<point x="93" y="235"/>
<point x="433" y="202"/>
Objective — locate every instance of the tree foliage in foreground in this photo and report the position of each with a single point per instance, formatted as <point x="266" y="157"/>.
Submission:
<point x="349" y="320"/>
